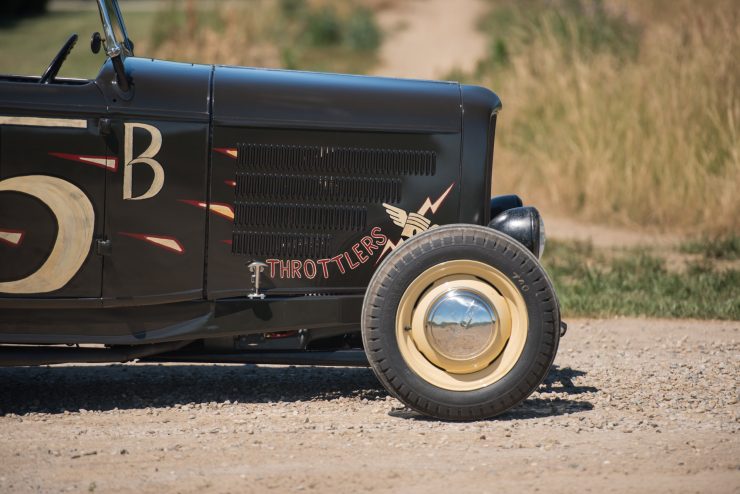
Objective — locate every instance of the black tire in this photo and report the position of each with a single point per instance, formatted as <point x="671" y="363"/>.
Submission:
<point x="424" y="251"/>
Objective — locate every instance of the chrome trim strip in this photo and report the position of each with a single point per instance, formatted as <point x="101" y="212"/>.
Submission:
<point x="44" y="122"/>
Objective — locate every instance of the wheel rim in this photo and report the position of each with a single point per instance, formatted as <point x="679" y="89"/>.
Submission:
<point x="461" y="325"/>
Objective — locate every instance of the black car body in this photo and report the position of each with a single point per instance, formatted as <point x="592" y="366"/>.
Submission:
<point x="200" y="212"/>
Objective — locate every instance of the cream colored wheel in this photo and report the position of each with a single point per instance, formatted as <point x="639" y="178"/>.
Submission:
<point x="461" y="325"/>
<point x="460" y="322"/>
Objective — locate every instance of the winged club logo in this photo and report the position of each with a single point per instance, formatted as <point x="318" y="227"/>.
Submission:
<point x="411" y="222"/>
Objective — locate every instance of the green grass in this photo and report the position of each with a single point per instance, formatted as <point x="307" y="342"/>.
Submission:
<point x="332" y="38"/>
<point x="638" y="282"/>
<point x="29" y="44"/>
<point x="720" y="248"/>
<point x="326" y="38"/>
<point x="583" y="27"/>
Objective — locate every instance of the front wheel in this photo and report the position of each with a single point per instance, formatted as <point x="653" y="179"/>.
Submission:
<point x="460" y="322"/>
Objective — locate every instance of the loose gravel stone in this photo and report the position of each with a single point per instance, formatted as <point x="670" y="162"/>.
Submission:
<point x="630" y="405"/>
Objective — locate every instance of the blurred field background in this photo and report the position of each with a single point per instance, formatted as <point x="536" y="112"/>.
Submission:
<point x="324" y="35"/>
<point x="618" y="113"/>
<point x="621" y="111"/>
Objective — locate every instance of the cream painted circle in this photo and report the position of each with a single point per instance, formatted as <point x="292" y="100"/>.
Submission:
<point x="496" y="359"/>
<point x="75" y="218"/>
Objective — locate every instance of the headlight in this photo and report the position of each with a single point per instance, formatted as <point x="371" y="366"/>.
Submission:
<point x="499" y="204"/>
<point x="523" y="224"/>
<point x="543" y="238"/>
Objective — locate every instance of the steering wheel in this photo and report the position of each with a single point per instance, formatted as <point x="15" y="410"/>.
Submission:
<point x="53" y="69"/>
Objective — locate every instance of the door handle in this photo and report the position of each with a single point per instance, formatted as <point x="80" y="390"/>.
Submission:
<point x="103" y="247"/>
<point x="105" y="127"/>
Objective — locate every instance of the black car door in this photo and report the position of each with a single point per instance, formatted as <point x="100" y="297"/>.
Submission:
<point x="156" y="203"/>
<point x="53" y="166"/>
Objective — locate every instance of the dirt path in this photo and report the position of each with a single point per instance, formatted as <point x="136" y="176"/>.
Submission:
<point x="562" y="228"/>
<point x="427" y="39"/>
<point x="632" y="405"/>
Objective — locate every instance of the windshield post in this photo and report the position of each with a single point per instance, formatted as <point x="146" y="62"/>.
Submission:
<point x="113" y="48"/>
<point x="128" y="45"/>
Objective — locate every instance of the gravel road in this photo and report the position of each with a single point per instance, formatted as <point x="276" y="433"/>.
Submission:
<point x="638" y="405"/>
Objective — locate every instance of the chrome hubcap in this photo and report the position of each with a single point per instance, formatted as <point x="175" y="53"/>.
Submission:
<point x="461" y="324"/>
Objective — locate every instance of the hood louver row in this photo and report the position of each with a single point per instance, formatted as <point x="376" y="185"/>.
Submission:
<point x="291" y="199"/>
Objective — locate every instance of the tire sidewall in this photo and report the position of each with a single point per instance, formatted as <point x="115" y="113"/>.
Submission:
<point x="453" y="242"/>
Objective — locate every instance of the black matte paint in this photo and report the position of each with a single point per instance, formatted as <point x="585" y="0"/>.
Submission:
<point x="26" y="151"/>
<point x="142" y="292"/>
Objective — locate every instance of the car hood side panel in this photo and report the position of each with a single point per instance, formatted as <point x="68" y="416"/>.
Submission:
<point x="319" y="173"/>
<point x="290" y="99"/>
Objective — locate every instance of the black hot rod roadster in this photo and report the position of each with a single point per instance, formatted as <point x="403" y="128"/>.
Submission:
<point x="175" y="212"/>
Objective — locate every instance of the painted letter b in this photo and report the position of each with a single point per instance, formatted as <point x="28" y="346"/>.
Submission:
<point x="147" y="158"/>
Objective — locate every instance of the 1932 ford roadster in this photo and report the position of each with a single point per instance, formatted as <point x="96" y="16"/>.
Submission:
<point x="175" y="212"/>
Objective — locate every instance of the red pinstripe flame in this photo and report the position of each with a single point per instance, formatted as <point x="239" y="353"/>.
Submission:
<point x="218" y="208"/>
<point x="105" y="162"/>
<point x="161" y="241"/>
<point x="11" y="233"/>
<point x="230" y="152"/>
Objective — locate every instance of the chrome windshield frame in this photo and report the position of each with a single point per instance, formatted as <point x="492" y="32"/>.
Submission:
<point x="126" y="43"/>
<point x="113" y="46"/>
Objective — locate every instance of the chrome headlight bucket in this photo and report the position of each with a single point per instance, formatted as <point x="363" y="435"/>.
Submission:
<point x="542" y="238"/>
<point x="523" y="224"/>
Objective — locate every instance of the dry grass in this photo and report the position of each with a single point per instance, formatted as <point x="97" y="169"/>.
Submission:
<point x="628" y="112"/>
<point x="329" y="35"/>
<point x="230" y="34"/>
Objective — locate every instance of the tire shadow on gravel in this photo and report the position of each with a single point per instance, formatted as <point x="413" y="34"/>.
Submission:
<point x="125" y="387"/>
<point x="106" y="387"/>
<point x="559" y="381"/>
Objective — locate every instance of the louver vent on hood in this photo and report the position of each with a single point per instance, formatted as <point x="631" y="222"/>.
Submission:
<point x="317" y="188"/>
<point x="300" y="216"/>
<point x="281" y="245"/>
<point x="295" y="202"/>
<point x="335" y="160"/>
